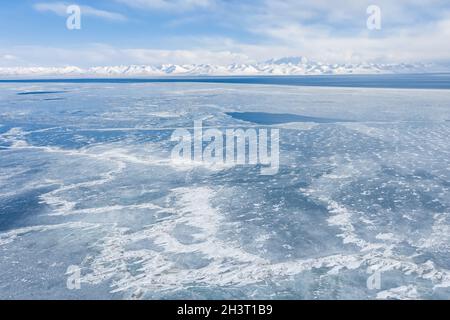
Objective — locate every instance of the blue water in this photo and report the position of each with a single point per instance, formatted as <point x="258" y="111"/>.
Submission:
<point x="38" y="93"/>
<point x="397" y="81"/>
<point x="267" y="118"/>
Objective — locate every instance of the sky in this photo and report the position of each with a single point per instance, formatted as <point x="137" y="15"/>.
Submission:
<point x="124" y="32"/>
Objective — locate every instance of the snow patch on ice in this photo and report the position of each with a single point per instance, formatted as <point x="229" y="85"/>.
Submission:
<point x="400" y="293"/>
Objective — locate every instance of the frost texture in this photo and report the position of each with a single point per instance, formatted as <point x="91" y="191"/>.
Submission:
<point x="86" y="179"/>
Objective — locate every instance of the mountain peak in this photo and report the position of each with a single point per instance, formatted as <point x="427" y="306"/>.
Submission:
<point x="279" y="66"/>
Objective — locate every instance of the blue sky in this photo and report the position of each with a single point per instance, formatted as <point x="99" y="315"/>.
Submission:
<point x="34" y="33"/>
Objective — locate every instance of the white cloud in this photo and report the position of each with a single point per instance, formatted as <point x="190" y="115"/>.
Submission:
<point x="172" y="5"/>
<point x="104" y="55"/>
<point x="412" y="31"/>
<point x="149" y="56"/>
<point x="9" y="57"/>
<point x="60" y="9"/>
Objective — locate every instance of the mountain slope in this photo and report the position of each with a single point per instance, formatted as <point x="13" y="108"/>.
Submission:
<point x="283" y="66"/>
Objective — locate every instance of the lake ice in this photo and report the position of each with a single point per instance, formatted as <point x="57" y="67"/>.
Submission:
<point x="86" y="180"/>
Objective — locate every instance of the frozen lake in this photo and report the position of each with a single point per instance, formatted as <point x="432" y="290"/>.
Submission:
<point x="86" y="180"/>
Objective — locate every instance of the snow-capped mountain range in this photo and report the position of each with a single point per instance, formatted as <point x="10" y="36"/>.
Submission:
<point x="283" y="66"/>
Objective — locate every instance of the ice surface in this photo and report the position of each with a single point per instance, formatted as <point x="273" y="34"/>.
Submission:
<point x="88" y="181"/>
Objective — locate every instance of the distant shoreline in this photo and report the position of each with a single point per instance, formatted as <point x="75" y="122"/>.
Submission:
<point x="393" y="81"/>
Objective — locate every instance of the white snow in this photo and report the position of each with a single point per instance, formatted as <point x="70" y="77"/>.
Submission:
<point x="283" y="66"/>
